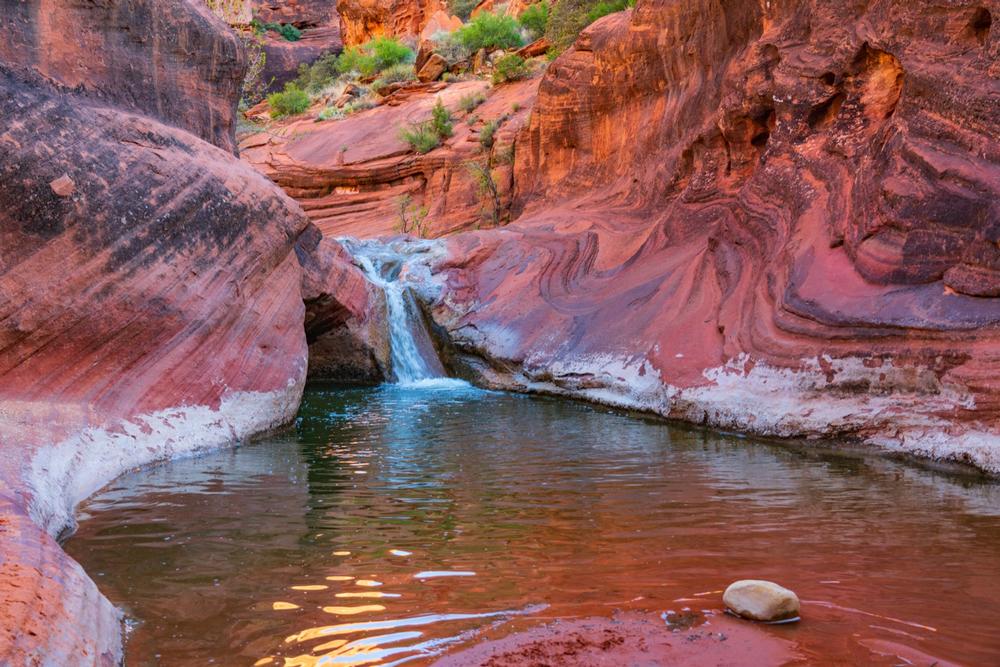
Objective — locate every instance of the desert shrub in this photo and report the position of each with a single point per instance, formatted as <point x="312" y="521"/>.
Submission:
<point x="490" y="31"/>
<point x="509" y="68"/>
<point x="286" y="30"/>
<point x="462" y="8"/>
<point x="410" y="217"/>
<point x="450" y="47"/>
<point x="330" y="113"/>
<point x="422" y="137"/>
<point x="389" y="51"/>
<point x="374" y="56"/>
<point x="448" y="77"/>
<point x="394" y="74"/>
<point x="487" y="135"/>
<point x="357" y="59"/>
<point x="469" y="102"/>
<point x="321" y="73"/>
<point x="535" y="18"/>
<point x="605" y="7"/>
<point x="360" y="104"/>
<point x="292" y="100"/>
<point x="489" y="191"/>
<point x="569" y="17"/>
<point x="441" y="120"/>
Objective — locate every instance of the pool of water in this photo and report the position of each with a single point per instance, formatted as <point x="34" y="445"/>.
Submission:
<point x="391" y="524"/>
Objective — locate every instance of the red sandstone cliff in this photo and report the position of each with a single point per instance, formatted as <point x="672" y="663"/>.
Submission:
<point x="360" y="20"/>
<point x="149" y="289"/>
<point x="781" y="219"/>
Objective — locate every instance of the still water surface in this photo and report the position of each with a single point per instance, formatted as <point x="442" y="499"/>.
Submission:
<point x="391" y="524"/>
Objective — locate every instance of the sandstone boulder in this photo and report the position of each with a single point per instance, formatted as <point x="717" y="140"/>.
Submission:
<point x="432" y="70"/>
<point x="760" y="600"/>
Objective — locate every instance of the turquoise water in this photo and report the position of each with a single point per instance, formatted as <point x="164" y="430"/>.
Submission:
<point x="392" y="524"/>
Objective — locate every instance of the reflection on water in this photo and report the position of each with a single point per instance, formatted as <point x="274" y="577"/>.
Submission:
<point x="393" y="524"/>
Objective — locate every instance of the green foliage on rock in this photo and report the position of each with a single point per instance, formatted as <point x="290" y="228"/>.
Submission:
<point x="422" y="137"/>
<point x="487" y="135"/>
<point x="535" y="18"/>
<point x="394" y="74"/>
<point x="569" y="17"/>
<point x="288" y="31"/>
<point x="441" y="120"/>
<point x="469" y="102"/>
<point x="462" y="8"/>
<point x="490" y="31"/>
<point x="510" y="68"/>
<point x="292" y="100"/>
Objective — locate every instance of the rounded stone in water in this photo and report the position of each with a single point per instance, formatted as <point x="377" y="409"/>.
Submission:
<point x="761" y="600"/>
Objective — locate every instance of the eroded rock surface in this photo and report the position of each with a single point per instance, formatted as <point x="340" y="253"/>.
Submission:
<point x="361" y="20"/>
<point x="780" y="219"/>
<point x="320" y="25"/>
<point x="351" y="175"/>
<point x="149" y="289"/>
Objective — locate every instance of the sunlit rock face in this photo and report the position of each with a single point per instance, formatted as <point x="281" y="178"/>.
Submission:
<point x="150" y="299"/>
<point x="361" y="20"/>
<point x="775" y="217"/>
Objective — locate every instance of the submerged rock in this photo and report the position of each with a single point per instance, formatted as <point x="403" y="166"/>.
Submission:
<point x="761" y="600"/>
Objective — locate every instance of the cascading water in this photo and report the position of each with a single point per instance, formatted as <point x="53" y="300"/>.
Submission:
<point x="414" y="358"/>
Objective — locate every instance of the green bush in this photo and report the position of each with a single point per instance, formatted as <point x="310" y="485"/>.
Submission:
<point x="321" y="73"/>
<point x="360" y="104"/>
<point x="286" y="30"/>
<point x="394" y="74"/>
<point x="509" y="68"/>
<point x="357" y="59"/>
<point x="293" y="100"/>
<point x="569" y="17"/>
<point x="374" y="56"/>
<point x="462" y="8"/>
<point x="441" y="120"/>
<point x="330" y="113"/>
<point x="469" y="102"/>
<point x="490" y="31"/>
<point x="422" y="137"/>
<point x="389" y="51"/>
<point x="449" y="47"/>
<point x="535" y="18"/>
<point x="487" y="134"/>
<point x="605" y="7"/>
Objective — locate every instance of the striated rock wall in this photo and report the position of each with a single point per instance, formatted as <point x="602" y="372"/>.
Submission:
<point x="779" y="218"/>
<point x="150" y="295"/>
<point x="349" y="175"/>
<point x="104" y="51"/>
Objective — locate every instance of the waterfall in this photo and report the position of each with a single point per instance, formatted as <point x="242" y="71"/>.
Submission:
<point x="414" y="357"/>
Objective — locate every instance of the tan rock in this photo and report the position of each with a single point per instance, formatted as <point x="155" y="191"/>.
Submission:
<point x="63" y="186"/>
<point x="761" y="600"/>
<point x="432" y="70"/>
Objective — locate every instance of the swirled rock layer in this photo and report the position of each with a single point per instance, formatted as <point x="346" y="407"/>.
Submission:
<point x="150" y="298"/>
<point x="781" y="218"/>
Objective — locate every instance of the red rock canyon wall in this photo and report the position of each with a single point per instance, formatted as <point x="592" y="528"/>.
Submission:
<point x="149" y="289"/>
<point x="780" y="218"/>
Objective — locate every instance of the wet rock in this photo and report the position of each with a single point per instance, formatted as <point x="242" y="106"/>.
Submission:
<point x="760" y="600"/>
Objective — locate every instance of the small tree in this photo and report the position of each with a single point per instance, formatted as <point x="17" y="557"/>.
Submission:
<point x="411" y="218"/>
<point x="482" y="174"/>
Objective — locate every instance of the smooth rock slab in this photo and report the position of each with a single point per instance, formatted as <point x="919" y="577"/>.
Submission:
<point x="761" y="600"/>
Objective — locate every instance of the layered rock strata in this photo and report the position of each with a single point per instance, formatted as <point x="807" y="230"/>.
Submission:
<point x="776" y="219"/>
<point x="150" y="300"/>
<point x="352" y="176"/>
